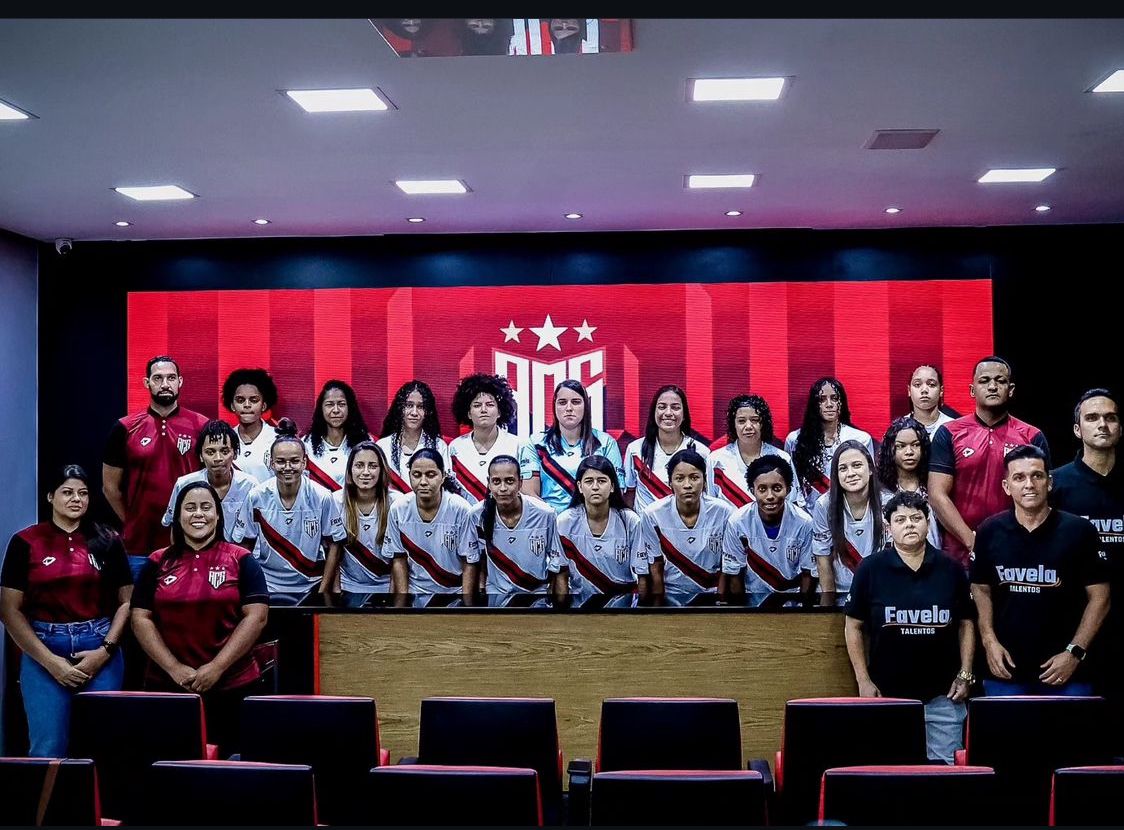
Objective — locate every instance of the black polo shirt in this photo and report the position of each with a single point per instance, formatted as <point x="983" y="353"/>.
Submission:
<point x="913" y="620"/>
<point x="1038" y="580"/>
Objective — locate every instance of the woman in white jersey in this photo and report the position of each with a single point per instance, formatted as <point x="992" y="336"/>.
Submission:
<point x="847" y="524"/>
<point x="291" y="524"/>
<point x="410" y="423"/>
<point x="667" y="431"/>
<point x="599" y="533"/>
<point x="487" y="404"/>
<point x="903" y="466"/>
<point x="364" y="503"/>
<point x="826" y="425"/>
<point x="249" y="394"/>
<point x="749" y="429"/>
<point x="518" y="537"/>
<point x="683" y="533"/>
<point x="430" y="536"/>
<point x="215" y="448"/>
<point x="337" y="426"/>
<point x="926" y="396"/>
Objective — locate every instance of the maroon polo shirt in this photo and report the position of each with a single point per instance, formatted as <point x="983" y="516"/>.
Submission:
<point x="153" y="451"/>
<point x="61" y="579"/>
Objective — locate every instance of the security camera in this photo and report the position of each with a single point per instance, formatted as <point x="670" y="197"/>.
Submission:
<point x="64" y="246"/>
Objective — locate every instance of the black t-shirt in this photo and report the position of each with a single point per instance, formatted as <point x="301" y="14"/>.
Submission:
<point x="913" y="620"/>
<point x="1083" y="491"/>
<point x="1038" y="580"/>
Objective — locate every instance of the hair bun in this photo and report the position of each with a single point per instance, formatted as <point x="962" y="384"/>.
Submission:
<point x="286" y="428"/>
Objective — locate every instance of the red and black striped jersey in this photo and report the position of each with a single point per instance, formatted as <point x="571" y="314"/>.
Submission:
<point x="650" y="483"/>
<point x="770" y="564"/>
<point x="692" y="555"/>
<point x="523" y="557"/>
<point x="436" y="550"/>
<point x="363" y="567"/>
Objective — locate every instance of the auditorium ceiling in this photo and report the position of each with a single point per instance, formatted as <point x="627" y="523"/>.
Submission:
<point x="198" y="103"/>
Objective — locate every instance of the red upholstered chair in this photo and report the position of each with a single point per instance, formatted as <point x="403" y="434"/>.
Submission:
<point x="678" y="797"/>
<point x="1087" y="796"/>
<point x="49" y="792"/>
<point x="125" y="732"/>
<point x="436" y="794"/>
<point x="908" y="795"/>
<point x="1025" y="738"/>
<point x="495" y="732"/>
<point x="821" y="733"/>
<point x="239" y="793"/>
<point x="337" y="736"/>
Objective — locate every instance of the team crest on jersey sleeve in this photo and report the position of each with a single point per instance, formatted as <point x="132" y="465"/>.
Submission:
<point x="216" y="576"/>
<point x="183" y="444"/>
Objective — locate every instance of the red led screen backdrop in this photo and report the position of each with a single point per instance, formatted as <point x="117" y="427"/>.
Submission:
<point x="622" y="341"/>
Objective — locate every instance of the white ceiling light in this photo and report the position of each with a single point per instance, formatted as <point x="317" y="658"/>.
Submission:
<point x="1113" y="83"/>
<point x="1042" y="208"/>
<point x="155" y="193"/>
<point x="337" y="100"/>
<point x="725" y="180"/>
<point x="122" y="224"/>
<point x="1011" y="175"/>
<point x="573" y="216"/>
<point x="416" y="187"/>
<point x="416" y="220"/>
<point x="10" y="113"/>
<point x="736" y="89"/>
<point x="733" y="213"/>
<point x="261" y="221"/>
<point x="893" y="210"/>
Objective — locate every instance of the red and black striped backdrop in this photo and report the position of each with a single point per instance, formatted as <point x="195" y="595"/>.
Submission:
<point x="714" y="340"/>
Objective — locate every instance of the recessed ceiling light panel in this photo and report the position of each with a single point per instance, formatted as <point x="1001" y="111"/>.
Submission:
<point x="697" y="182"/>
<point x="736" y="89"/>
<point x="156" y="193"/>
<point x="337" y="100"/>
<point x="416" y="220"/>
<point x="1016" y="174"/>
<point x="418" y="187"/>
<point x="10" y="113"/>
<point x="1113" y="83"/>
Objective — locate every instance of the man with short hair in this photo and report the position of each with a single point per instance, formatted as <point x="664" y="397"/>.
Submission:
<point x="1092" y="486"/>
<point x="966" y="468"/>
<point x="1040" y="586"/>
<point x="146" y="452"/>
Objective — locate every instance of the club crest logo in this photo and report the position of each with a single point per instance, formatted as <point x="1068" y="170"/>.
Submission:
<point x="312" y="528"/>
<point x="216" y="576"/>
<point x="533" y="377"/>
<point x="622" y="552"/>
<point x="714" y="543"/>
<point x="183" y="444"/>
<point x="449" y="540"/>
<point x="792" y="555"/>
<point x="537" y="544"/>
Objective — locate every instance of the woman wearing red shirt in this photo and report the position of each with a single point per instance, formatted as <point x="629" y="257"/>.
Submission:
<point x="65" y="600"/>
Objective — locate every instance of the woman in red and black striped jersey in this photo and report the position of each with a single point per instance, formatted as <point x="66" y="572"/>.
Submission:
<point x="65" y="601"/>
<point x="411" y="423"/>
<point x="337" y="426"/>
<point x="200" y="605"/>
<point x="364" y="503"/>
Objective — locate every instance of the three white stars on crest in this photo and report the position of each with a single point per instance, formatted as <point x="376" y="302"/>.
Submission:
<point x="548" y="333"/>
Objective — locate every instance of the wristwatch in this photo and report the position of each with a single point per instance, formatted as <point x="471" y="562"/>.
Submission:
<point x="966" y="676"/>
<point x="109" y="646"/>
<point x="1076" y="651"/>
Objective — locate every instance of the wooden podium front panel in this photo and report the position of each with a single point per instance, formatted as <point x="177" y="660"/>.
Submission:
<point x="759" y="659"/>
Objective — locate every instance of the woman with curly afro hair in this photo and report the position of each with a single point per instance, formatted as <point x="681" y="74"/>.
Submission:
<point x="485" y="403"/>
<point x="749" y="430"/>
<point x="826" y="425"/>
<point x="410" y="423"/>
<point x="249" y="394"/>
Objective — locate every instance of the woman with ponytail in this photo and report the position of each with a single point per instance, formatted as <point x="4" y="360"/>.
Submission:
<point x="524" y="556"/>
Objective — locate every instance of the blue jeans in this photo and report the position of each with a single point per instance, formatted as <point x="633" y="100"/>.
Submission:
<point x="46" y="702"/>
<point x="1037" y="687"/>
<point x="944" y="728"/>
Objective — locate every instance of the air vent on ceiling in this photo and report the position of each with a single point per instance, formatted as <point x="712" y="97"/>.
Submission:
<point x="900" y="139"/>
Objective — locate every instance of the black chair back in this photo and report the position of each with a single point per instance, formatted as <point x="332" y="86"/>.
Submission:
<point x="669" y="733"/>
<point x="1087" y="796"/>
<point x="908" y="795"/>
<point x="678" y="797"/>
<point x="453" y="796"/>
<point x="238" y="793"/>
<point x="65" y="790"/>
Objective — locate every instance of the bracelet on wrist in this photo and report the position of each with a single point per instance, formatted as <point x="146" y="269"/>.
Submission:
<point x="966" y="676"/>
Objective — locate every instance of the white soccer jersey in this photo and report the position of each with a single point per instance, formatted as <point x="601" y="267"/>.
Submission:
<point x="363" y="568"/>
<point x="650" y="483"/>
<point x="601" y="564"/>
<point x="523" y="557"/>
<point x="329" y="468"/>
<point x="289" y="542"/>
<point x="862" y="536"/>
<point x="812" y="491"/>
<point x="725" y="474"/>
<point x="771" y="565"/>
<point x="470" y="466"/>
<point x="942" y="419"/>
<point x="692" y="555"/>
<point x="934" y="536"/>
<point x="253" y="456"/>
<point x="400" y="475"/>
<point x="240" y="487"/>
<point x="435" y="550"/>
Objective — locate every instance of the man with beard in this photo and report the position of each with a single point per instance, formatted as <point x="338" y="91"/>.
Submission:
<point x="146" y="452"/>
<point x="1092" y="485"/>
<point x="966" y="468"/>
